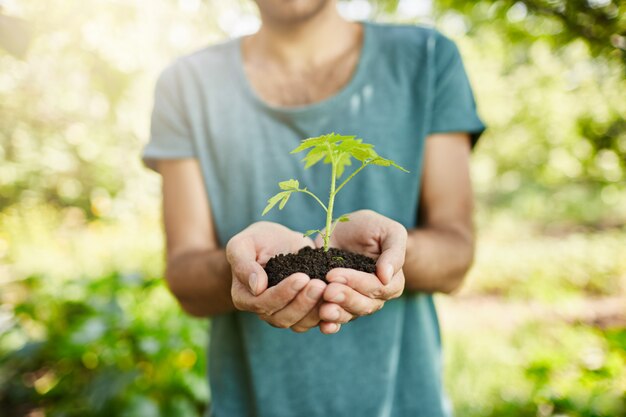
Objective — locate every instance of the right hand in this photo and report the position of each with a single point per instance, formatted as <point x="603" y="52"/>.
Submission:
<point x="294" y="302"/>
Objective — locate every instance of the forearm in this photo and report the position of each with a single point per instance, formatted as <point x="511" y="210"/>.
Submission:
<point x="437" y="258"/>
<point x="201" y="281"/>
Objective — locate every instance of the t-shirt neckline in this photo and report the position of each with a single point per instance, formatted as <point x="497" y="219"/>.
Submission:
<point x="319" y="106"/>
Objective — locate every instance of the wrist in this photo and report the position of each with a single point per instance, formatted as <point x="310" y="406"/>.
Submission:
<point x="201" y="280"/>
<point x="429" y="266"/>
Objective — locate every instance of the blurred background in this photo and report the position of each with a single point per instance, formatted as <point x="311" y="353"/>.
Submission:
<point x="87" y="327"/>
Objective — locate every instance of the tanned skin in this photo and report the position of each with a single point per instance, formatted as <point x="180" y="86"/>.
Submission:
<point x="294" y="59"/>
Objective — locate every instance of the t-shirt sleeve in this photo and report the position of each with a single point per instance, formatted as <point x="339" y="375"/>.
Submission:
<point x="454" y="107"/>
<point x="170" y="135"/>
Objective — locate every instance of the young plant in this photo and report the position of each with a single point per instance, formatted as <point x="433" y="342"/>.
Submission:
<point x="338" y="151"/>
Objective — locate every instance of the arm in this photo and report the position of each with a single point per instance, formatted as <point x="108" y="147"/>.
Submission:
<point x="197" y="271"/>
<point x="441" y="250"/>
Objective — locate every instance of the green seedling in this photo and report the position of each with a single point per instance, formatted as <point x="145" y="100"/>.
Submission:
<point x="338" y="151"/>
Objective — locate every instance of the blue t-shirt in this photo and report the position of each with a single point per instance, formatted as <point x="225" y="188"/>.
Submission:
<point x="409" y="82"/>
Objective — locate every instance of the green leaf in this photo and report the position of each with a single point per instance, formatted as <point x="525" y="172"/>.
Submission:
<point x="310" y="232"/>
<point x="348" y="144"/>
<point x="351" y="145"/>
<point x="309" y="143"/>
<point x="343" y="218"/>
<point x="380" y="161"/>
<point x="314" y="156"/>
<point x="343" y="161"/>
<point x="273" y="201"/>
<point x="323" y="140"/>
<point x="364" y="153"/>
<point x="393" y="164"/>
<point x="385" y="163"/>
<point x="284" y="200"/>
<point x="289" y="185"/>
<point x="334" y="138"/>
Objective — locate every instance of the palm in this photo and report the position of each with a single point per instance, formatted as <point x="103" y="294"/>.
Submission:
<point x="361" y="234"/>
<point x="271" y="239"/>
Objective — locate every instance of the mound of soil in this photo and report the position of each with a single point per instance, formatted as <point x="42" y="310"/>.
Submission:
<point x="315" y="263"/>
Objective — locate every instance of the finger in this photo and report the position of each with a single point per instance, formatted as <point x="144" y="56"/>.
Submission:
<point x="303" y="304"/>
<point x="312" y="319"/>
<point x="241" y="255"/>
<point x="333" y="313"/>
<point x="363" y="282"/>
<point x="275" y="298"/>
<point x="256" y="280"/>
<point x="395" y="288"/>
<point x="329" y="328"/>
<point x="393" y="247"/>
<point x="308" y="322"/>
<point x="350" y="300"/>
<point x="241" y="289"/>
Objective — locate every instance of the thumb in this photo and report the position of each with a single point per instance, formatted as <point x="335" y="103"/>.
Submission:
<point x="391" y="259"/>
<point x="255" y="280"/>
<point x="241" y="256"/>
<point x="319" y="240"/>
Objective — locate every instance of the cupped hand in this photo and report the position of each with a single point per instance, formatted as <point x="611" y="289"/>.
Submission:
<point x="350" y="293"/>
<point x="294" y="302"/>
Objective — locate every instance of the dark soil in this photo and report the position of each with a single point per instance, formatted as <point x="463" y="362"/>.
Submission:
<point x="315" y="263"/>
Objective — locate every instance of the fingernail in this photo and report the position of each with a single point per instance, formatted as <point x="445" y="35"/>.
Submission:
<point x="340" y="280"/>
<point x="299" y="283"/>
<point x="335" y="328"/>
<point x="338" y="298"/>
<point x="314" y="292"/>
<point x="252" y="281"/>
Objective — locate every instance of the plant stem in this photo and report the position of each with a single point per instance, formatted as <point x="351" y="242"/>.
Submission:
<point x="350" y="177"/>
<point x="334" y="225"/>
<point x="315" y="197"/>
<point x="331" y="202"/>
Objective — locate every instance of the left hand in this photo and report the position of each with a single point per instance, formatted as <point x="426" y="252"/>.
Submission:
<point x="351" y="293"/>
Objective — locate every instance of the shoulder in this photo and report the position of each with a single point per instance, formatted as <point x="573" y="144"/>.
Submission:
<point x="187" y="68"/>
<point x="412" y="43"/>
<point x="409" y="36"/>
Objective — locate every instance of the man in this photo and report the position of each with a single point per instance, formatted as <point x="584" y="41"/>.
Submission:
<point x="224" y="121"/>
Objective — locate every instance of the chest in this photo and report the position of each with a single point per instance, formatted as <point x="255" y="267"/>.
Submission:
<point x="244" y="145"/>
<point x="297" y="87"/>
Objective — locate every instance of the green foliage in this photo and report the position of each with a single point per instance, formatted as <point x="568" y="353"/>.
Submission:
<point x="539" y="368"/>
<point x="110" y="345"/>
<point x="549" y="77"/>
<point x="548" y="332"/>
<point x="87" y="326"/>
<point x="75" y="110"/>
<point x="554" y="133"/>
<point x="600" y="24"/>
<point x="338" y="151"/>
